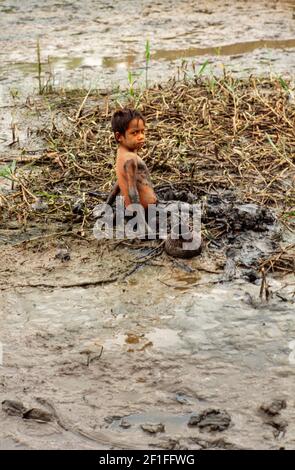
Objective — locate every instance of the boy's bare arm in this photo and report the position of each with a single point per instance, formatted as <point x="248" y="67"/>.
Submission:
<point x="114" y="192"/>
<point x="131" y="168"/>
<point x="131" y="173"/>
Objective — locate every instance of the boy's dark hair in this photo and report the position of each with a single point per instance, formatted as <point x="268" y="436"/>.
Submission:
<point x="122" y="118"/>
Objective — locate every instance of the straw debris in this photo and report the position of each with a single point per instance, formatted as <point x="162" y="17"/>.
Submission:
<point x="203" y="136"/>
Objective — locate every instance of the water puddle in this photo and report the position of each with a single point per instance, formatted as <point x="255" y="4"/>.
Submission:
<point x="151" y="347"/>
<point x="78" y="47"/>
<point x="172" y="423"/>
<point x="151" y="354"/>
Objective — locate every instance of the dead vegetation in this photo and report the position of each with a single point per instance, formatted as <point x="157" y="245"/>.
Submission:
<point x="203" y="136"/>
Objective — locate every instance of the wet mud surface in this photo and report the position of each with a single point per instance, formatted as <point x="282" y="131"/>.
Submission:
<point x="103" y="350"/>
<point x="79" y="45"/>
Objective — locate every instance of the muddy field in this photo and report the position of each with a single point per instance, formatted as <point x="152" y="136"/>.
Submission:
<point x="153" y="348"/>
<point x="117" y="345"/>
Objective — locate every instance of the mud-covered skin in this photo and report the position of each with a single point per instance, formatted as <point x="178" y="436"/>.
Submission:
<point x="142" y="173"/>
<point x="175" y="248"/>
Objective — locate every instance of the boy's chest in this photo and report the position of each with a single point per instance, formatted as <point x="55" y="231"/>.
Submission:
<point x="141" y="166"/>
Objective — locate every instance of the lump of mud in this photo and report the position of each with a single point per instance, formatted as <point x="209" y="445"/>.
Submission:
<point x="230" y="265"/>
<point x="173" y="194"/>
<point x="13" y="408"/>
<point x="250" y="231"/>
<point x="170" y="444"/>
<point x="251" y="276"/>
<point x="211" y="420"/>
<point x="111" y="418"/>
<point x="153" y="428"/>
<point x="278" y="424"/>
<point x="78" y="206"/>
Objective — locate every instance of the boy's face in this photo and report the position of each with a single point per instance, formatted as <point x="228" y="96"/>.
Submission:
<point x="133" y="139"/>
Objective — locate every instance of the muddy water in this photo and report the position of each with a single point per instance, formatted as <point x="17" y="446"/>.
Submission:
<point x="162" y="343"/>
<point x="95" y="43"/>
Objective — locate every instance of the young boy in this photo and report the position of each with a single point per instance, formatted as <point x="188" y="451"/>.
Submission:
<point x="134" y="181"/>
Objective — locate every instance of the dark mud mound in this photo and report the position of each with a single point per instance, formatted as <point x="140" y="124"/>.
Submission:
<point x="271" y="416"/>
<point x="245" y="232"/>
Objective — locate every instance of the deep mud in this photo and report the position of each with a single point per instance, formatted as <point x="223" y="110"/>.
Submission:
<point x="247" y="36"/>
